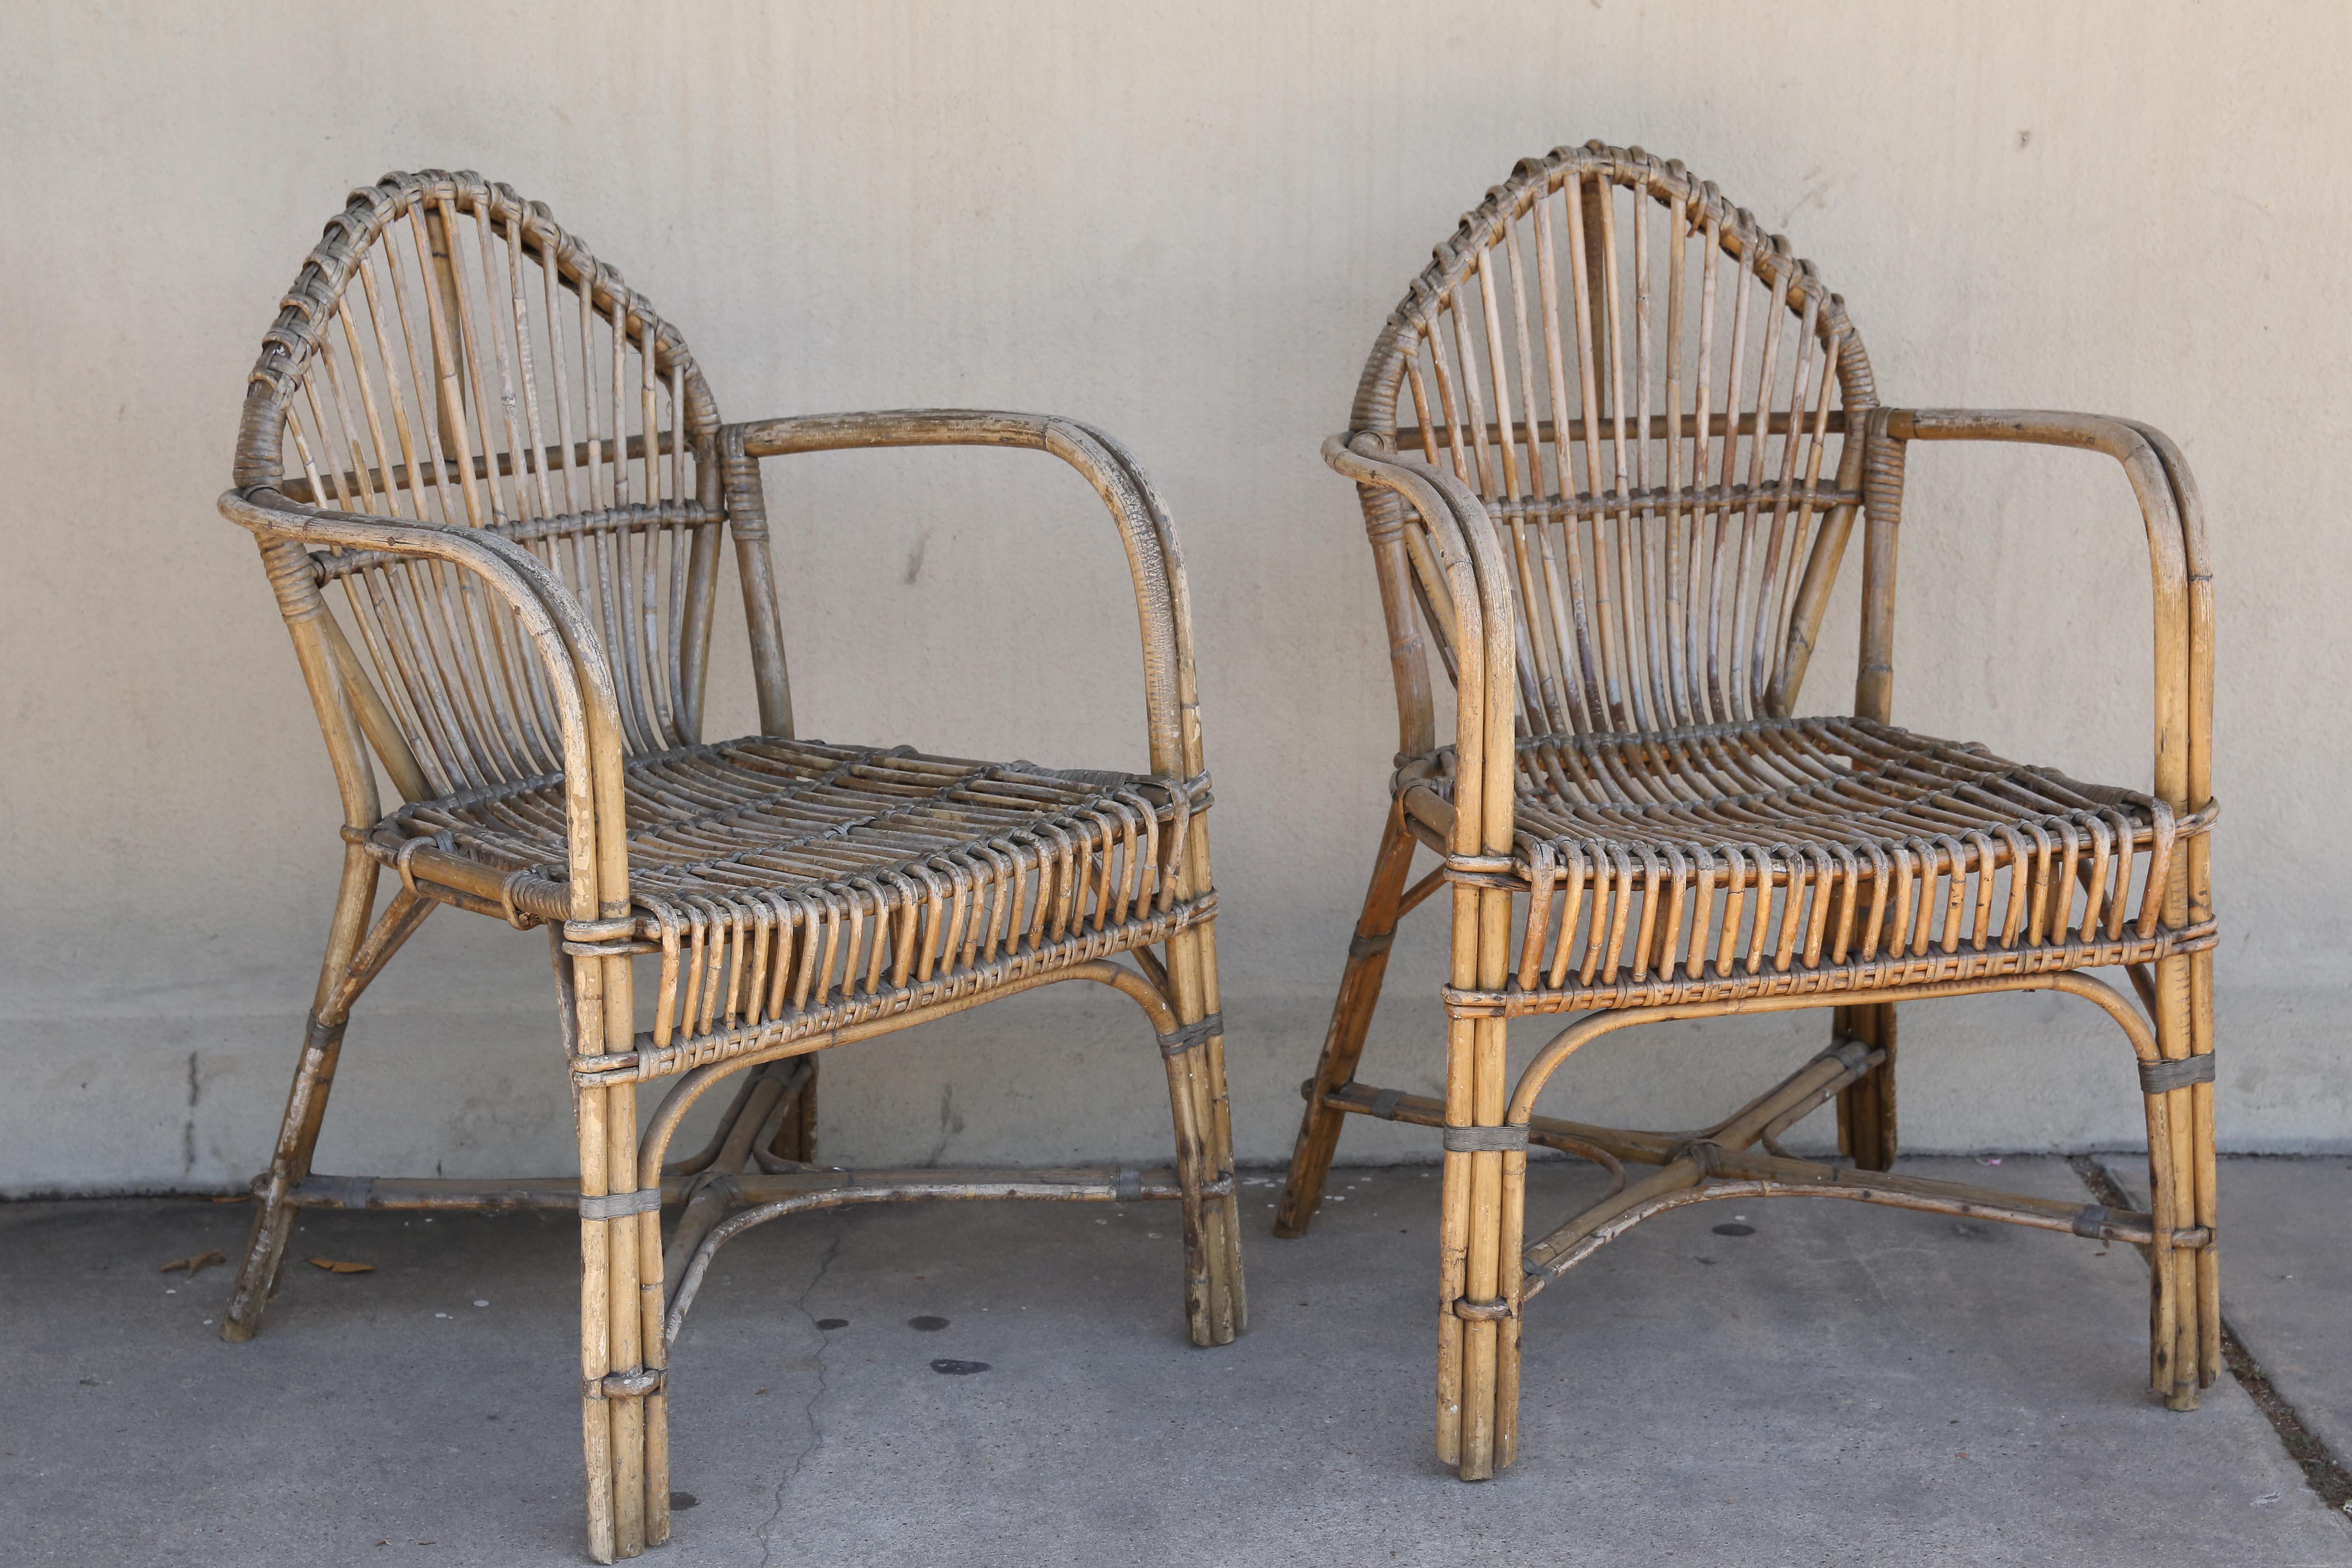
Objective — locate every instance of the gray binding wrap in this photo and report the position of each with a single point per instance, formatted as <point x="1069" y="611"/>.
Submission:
<point x="633" y="1383"/>
<point x="617" y="1205"/>
<point x="1493" y="1311"/>
<point x="1484" y="1140"/>
<point x="1853" y="1053"/>
<point x="2092" y="1222"/>
<point x="350" y="1192"/>
<point x="1191" y="1034"/>
<point x="1482" y="871"/>
<point x="1365" y="946"/>
<point x="1385" y="1103"/>
<point x="1703" y="1153"/>
<point x="1128" y="1188"/>
<point x="2161" y="1078"/>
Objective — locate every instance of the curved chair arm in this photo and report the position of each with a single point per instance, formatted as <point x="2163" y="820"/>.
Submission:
<point x="1477" y="580"/>
<point x="1162" y="604"/>
<point x="2179" y="567"/>
<point x="581" y="682"/>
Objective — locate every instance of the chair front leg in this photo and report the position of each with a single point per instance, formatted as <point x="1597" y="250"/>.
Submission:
<point x="1479" y="1271"/>
<point x="624" y="1430"/>
<point x="595" y="1326"/>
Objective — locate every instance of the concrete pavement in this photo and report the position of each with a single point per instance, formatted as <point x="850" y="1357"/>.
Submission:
<point x="1842" y="1385"/>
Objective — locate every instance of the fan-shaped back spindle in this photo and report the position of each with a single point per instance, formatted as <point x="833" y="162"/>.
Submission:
<point x="1652" y="395"/>
<point x="449" y="355"/>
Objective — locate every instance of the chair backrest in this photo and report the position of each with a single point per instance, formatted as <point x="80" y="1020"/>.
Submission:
<point x="449" y="355"/>
<point x="1637" y="381"/>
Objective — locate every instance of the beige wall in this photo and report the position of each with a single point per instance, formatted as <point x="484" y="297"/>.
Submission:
<point x="1183" y="223"/>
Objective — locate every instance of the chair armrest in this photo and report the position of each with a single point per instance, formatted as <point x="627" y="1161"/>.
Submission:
<point x="1163" y="601"/>
<point x="2179" y="564"/>
<point x="559" y="631"/>
<point x="1478" y="582"/>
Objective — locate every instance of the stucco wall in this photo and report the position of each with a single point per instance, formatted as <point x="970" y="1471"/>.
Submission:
<point x="1185" y="227"/>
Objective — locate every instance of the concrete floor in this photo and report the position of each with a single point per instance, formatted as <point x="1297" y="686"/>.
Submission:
<point x="1844" y="1385"/>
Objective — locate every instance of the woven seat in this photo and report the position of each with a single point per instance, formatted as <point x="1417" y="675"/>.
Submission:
<point x="1897" y="846"/>
<point x="761" y="866"/>
<point x="1610" y="450"/>
<point x="736" y="823"/>
<point x="494" y="498"/>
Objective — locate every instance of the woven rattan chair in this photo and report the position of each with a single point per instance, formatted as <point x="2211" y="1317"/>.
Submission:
<point x="1638" y="435"/>
<point x="491" y="492"/>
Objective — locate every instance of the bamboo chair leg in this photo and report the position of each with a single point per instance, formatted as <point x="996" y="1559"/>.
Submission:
<point x="1351" y="1019"/>
<point x="2209" y="1258"/>
<point x="628" y="1413"/>
<point x="1465" y="1357"/>
<point x="2175" y="1336"/>
<point x="273" y="1219"/>
<point x="350" y="963"/>
<point x="1489" y="1385"/>
<point x="1212" y="1312"/>
<point x="796" y="1137"/>
<point x="653" y="1356"/>
<point x="1865" y="1109"/>
<point x="595" y="1329"/>
<point x="1221" y="1138"/>
<point x="1183" y="1102"/>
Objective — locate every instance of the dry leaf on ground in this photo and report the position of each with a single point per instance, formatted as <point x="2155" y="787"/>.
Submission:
<point x="337" y="1265"/>
<point x="194" y="1266"/>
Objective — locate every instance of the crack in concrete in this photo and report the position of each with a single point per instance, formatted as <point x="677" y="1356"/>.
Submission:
<point x="765" y="1535"/>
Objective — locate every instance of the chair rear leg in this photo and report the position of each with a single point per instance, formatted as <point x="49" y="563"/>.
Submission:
<point x="1865" y="1109"/>
<point x="351" y="961"/>
<point x="1351" y="1019"/>
<point x="795" y="1136"/>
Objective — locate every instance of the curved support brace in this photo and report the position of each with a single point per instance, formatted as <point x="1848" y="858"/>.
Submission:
<point x="1123" y="1187"/>
<point x="2107" y="1226"/>
<point x="1591" y="1028"/>
<point x="654" y="1145"/>
<point x="1170" y="700"/>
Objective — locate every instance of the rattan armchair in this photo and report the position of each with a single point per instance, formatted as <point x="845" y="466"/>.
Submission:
<point x="1638" y="436"/>
<point x="491" y="492"/>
